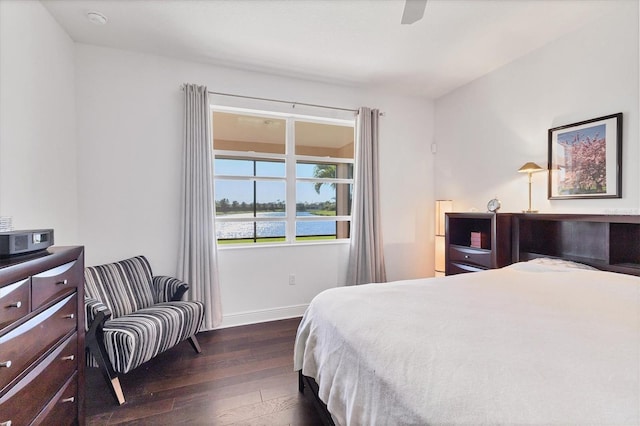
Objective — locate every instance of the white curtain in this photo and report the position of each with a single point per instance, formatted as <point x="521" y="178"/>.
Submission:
<point x="198" y="256"/>
<point x="366" y="256"/>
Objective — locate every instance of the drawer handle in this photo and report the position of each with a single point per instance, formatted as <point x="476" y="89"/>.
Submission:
<point x="5" y="364"/>
<point x="70" y="316"/>
<point x="68" y="358"/>
<point x="17" y="304"/>
<point x="70" y="399"/>
<point x="466" y="256"/>
<point x="7" y="423"/>
<point x="63" y="282"/>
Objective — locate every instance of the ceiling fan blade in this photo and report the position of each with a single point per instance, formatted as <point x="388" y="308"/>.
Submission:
<point x="413" y="11"/>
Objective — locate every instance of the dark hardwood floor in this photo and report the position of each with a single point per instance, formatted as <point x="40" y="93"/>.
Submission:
<point x="244" y="376"/>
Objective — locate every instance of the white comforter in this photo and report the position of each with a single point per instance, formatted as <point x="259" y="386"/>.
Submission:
<point x="527" y="344"/>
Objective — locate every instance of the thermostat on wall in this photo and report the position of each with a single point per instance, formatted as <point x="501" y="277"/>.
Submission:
<point x="22" y="242"/>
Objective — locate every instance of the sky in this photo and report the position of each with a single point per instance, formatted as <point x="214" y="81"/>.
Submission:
<point x="267" y="191"/>
<point x="590" y="132"/>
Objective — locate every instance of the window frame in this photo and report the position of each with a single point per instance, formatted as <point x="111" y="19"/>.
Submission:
<point x="290" y="159"/>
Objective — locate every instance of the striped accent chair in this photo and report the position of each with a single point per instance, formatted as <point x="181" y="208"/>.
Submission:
<point x="132" y="316"/>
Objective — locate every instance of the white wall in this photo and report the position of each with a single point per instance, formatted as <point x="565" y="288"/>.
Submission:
<point x="487" y="129"/>
<point x="93" y="148"/>
<point x="130" y="134"/>
<point x="37" y="121"/>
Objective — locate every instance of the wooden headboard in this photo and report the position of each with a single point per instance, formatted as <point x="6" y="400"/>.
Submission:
<point x="607" y="242"/>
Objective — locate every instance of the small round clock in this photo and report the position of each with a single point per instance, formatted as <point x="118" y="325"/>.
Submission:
<point x="493" y="205"/>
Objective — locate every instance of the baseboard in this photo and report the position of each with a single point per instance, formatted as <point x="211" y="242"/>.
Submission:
<point x="264" y="315"/>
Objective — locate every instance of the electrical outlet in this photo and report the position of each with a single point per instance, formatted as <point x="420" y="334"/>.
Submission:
<point x="292" y="279"/>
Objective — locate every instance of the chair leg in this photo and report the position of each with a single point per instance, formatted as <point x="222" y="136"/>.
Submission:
<point x="116" y="389"/>
<point x="109" y="375"/>
<point x="194" y="344"/>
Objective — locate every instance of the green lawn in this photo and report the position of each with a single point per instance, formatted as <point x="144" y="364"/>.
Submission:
<point x="275" y="240"/>
<point x="322" y="212"/>
<point x="315" y="238"/>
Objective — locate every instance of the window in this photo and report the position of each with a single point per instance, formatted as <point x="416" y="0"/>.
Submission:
<point x="281" y="178"/>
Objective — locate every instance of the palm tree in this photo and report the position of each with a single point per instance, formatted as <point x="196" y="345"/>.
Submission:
<point x="324" y="171"/>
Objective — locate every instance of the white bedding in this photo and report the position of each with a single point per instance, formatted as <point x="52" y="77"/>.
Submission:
<point x="527" y="344"/>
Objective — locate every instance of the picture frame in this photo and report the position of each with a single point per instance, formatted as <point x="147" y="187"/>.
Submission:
<point x="585" y="159"/>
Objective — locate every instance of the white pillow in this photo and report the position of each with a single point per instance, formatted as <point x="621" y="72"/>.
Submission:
<point x="560" y="263"/>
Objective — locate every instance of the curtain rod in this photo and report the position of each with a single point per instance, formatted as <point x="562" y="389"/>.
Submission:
<point x="283" y="102"/>
<point x="293" y="103"/>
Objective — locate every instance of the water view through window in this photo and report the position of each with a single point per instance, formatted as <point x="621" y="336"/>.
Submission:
<point x="258" y="202"/>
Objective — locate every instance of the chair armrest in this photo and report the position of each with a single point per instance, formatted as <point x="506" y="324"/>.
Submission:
<point x="168" y="289"/>
<point x="96" y="313"/>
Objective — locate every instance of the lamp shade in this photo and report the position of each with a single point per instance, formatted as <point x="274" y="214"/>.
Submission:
<point x="530" y="168"/>
<point x="439" y="263"/>
<point x="442" y="207"/>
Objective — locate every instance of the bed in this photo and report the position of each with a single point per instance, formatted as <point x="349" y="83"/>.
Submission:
<point x="545" y="341"/>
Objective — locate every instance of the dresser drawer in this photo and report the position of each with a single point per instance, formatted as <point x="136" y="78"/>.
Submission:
<point x="54" y="283"/>
<point x="480" y="257"/>
<point x="14" y="302"/>
<point x="461" y="268"/>
<point x="22" y="403"/>
<point x="23" y="345"/>
<point x="62" y="409"/>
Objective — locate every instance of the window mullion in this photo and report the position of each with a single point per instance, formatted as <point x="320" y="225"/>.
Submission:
<point x="291" y="181"/>
<point x="326" y="180"/>
<point x="220" y="153"/>
<point x="255" y="206"/>
<point x="320" y="159"/>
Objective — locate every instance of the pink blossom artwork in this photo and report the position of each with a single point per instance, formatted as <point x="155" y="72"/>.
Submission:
<point x="585" y="159"/>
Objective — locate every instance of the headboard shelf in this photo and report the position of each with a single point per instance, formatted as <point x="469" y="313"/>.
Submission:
<point x="607" y="242"/>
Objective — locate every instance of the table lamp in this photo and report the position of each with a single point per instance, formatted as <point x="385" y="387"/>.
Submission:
<point x="530" y="168"/>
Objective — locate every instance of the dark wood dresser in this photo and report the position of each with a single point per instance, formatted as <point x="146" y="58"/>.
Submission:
<point x="42" y="338"/>
<point x="477" y="241"/>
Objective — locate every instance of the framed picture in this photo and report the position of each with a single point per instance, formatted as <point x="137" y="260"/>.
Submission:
<point x="585" y="159"/>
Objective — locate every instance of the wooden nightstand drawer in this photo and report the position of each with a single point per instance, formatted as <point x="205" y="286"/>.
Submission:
<point x="469" y="255"/>
<point x="23" y="345"/>
<point x="54" y="283"/>
<point x="39" y="386"/>
<point x="461" y="268"/>
<point x="14" y="302"/>
<point x="466" y="231"/>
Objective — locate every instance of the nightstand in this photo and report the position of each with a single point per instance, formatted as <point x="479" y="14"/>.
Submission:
<point x="477" y="242"/>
